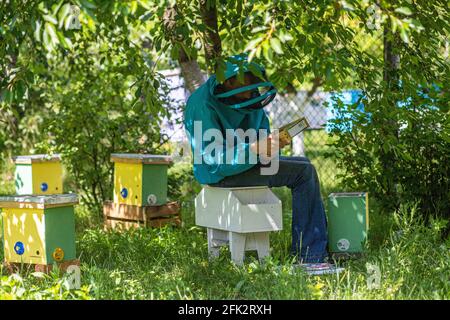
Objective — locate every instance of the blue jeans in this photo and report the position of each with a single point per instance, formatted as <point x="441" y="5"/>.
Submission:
<point x="309" y="223"/>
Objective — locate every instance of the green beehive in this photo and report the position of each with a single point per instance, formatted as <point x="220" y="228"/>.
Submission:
<point x="140" y="179"/>
<point x="38" y="229"/>
<point x="348" y="221"/>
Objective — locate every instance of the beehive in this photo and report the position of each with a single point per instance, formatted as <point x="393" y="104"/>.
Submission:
<point x="38" y="229"/>
<point x="240" y="217"/>
<point x="243" y="209"/>
<point x="38" y="174"/>
<point x="140" y="179"/>
<point x="348" y="221"/>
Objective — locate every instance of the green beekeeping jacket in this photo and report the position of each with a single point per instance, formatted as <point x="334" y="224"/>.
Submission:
<point x="205" y="107"/>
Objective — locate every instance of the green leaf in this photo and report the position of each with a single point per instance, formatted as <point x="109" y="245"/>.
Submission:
<point x="259" y="29"/>
<point x="276" y="45"/>
<point x="51" y="31"/>
<point x="255" y="70"/>
<point x="62" y="14"/>
<point x="68" y="21"/>
<point x="47" y="40"/>
<point x="174" y="52"/>
<point x="347" y="6"/>
<point x="267" y="52"/>
<point x="220" y="70"/>
<point x="404" y="10"/>
<point x="50" y="19"/>
<point x="87" y="4"/>
<point x="146" y="16"/>
<point x="251" y="55"/>
<point x="417" y="24"/>
<point x="253" y="43"/>
<point x="284" y="37"/>
<point x="66" y="43"/>
<point x="144" y="4"/>
<point x="404" y="35"/>
<point x="37" y="31"/>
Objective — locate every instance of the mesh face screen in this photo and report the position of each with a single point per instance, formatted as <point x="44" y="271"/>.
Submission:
<point x="254" y="93"/>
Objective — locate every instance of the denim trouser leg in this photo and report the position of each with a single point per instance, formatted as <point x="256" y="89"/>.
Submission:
<point x="309" y="224"/>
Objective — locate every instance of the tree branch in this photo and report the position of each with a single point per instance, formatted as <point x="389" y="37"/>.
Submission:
<point x="212" y="43"/>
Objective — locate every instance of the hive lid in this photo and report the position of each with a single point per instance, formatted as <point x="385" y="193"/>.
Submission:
<point x="38" y="201"/>
<point x="141" y="158"/>
<point x="29" y="159"/>
<point x="347" y="194"/>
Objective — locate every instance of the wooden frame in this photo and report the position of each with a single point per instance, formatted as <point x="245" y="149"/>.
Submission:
<point x="123" y="216"/>
<point x="13" y="267"/>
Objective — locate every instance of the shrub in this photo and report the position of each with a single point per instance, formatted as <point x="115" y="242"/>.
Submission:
<point x="397" y="147"/>
<point x="182" y="184"/>
<point x="116" y="106"/>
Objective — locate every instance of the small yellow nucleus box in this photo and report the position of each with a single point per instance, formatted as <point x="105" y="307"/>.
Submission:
<point x="38" y="174"/>
<point x="140" y="179"/>
<point x="38" y="229"/>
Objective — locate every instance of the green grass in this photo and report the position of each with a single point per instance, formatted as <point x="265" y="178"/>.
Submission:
<point x="172" y="263"/>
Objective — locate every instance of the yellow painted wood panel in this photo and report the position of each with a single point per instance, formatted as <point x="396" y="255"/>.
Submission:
<point x="28" y="227"/>
<point x="367" y="211"/>
<point x="49" y="173"/>
<point x="129" y="176"/>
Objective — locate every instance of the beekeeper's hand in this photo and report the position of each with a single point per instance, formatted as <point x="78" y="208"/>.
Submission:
<point x="268" y="148"/>
<point x="284" y="138"/>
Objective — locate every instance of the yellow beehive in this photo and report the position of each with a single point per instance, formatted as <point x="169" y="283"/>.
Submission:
<point x="38" y="229"/>
<point x="38" y="174"/>
<point x="140" y="179"/>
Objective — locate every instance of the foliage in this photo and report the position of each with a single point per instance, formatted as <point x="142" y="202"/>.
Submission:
<point x="40" y="286"/>
<point x="107" y="62"/>
<point x="89" y="89"/>
<point x="97" y="111"/>
<point x="419" y="158"/>
<point x="93" y="90"/>
<point x="394" y="140"/>
<point x="181" y="182"/>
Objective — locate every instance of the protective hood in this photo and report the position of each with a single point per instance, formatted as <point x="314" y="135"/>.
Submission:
<point x="262" y="90"/>
<point x="207" y="109"/>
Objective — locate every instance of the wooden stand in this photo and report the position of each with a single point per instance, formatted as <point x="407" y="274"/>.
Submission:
<point x="238" y="244"/>
<point x="241" y="218"/>
<point x="123" y="216"/>
<point x="13" y="267"/>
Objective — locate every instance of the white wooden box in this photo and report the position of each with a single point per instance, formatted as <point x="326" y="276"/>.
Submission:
<point x="243" y="210"/>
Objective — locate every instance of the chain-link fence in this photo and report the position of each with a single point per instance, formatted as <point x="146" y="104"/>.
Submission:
<point x="314" y="142"/>
<point x="318" y="108"/>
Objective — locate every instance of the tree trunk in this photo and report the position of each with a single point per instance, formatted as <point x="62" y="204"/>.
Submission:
<point x="391" y="59"/>
<point x="390" y="125"/>
<point x="190" y="70"/>
<point x="212" y="42"/>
